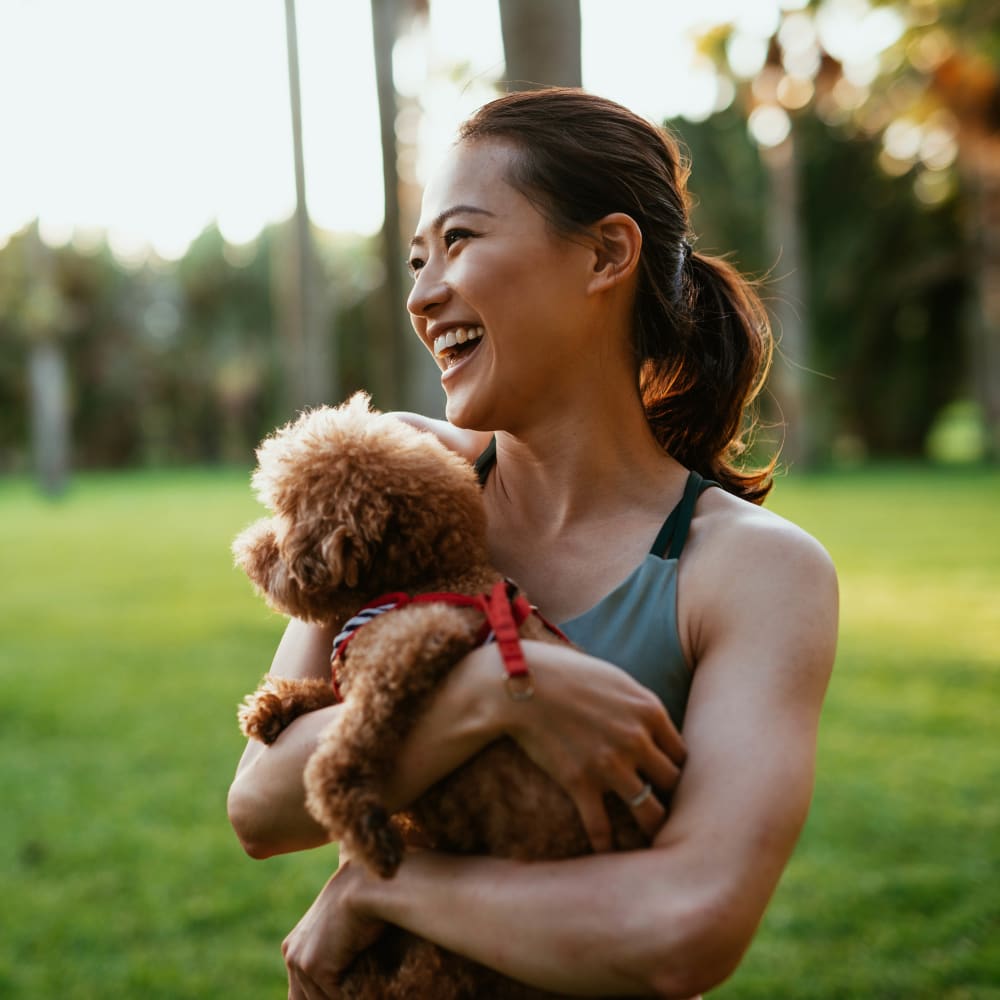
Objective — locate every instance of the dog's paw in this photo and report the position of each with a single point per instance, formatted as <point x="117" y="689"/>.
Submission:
<point x="264" y="714"/>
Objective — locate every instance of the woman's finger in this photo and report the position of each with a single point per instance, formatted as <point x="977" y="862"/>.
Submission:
<point x="646" y="808"/>
<point x="667" y="738"/>
<point x="308" y="988"/>
<point x="296" y="989"/>
<point x="595" y="821"/>
<point x="661" y="771"/>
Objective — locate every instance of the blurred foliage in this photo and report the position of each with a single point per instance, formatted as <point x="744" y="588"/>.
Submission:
<point x="170" y="363"/>
<point x="886" y="284"/>
<point x="178" y="363"/>
<point x="890" y="112"/>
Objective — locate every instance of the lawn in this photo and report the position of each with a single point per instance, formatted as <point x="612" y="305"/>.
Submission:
<point x="126" y="640"/>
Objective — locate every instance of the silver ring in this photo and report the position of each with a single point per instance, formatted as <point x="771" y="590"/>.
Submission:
<point x="637" y="800"/>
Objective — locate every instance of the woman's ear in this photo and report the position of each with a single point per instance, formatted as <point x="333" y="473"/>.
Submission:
<point x="617" y="242"/>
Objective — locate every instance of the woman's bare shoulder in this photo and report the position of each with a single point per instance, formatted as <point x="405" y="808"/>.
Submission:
<point x="750" y="569"/>
<point x="468" y="444"/>
<point x="736" y="533"/>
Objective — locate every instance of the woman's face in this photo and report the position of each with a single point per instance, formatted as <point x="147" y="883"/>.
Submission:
<point x="498" y="297"/>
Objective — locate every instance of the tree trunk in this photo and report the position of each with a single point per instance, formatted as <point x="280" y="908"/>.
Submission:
<point x="49" y="415"/>
<point x="386" y="353"/>
<point x="403" y="373"/>
<point x="790" y="307"/>
<point x="48" y="381"/>
<point x="541" y="43"/>
<point x="311" y="359"/>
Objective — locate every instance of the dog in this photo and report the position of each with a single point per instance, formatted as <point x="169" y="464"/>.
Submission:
<point x="363" y="505"/>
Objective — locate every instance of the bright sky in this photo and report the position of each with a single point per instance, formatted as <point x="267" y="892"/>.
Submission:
<point x="151" y="118"/>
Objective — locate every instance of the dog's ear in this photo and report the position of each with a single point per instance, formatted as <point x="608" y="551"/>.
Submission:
<point x="256" y="551"/>
<point x="319" y="559"/>
<point x="258" y="554"/>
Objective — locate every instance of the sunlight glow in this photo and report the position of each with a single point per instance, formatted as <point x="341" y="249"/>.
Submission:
<point x="153" y="120"/>
<point x="769" y="125"/>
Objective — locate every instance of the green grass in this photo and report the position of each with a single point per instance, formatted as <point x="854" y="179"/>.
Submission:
<point x="126" y="640"/>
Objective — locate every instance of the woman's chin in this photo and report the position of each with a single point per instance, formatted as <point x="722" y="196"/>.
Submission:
<point x="465" y="409"/>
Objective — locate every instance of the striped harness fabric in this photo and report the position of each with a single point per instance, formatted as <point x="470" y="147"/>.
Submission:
<point x="504" y="611"/>
<point x="363" y="617"/>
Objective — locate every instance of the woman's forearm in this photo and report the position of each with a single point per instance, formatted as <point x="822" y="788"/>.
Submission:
<point x="635" y="924"/>
<point x="462" y="718"/>
<point x="266" y="802"/>
<point x="267" y="797"/>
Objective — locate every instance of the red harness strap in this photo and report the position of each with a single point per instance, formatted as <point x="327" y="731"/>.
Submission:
<point x="504" y="609"/>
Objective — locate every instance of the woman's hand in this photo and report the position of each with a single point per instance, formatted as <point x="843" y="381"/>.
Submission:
<point x="588" y="725"/>
<point x="594" y="729"/>
<point x="331" y="934"/>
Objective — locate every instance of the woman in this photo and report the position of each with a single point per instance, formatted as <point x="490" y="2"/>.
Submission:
<point x="608" y="366"/>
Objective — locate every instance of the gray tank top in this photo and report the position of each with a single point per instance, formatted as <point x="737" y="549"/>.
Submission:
<point x="635" y="626"/>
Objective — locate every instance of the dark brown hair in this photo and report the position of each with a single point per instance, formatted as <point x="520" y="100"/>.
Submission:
<point x="701" y="334"/>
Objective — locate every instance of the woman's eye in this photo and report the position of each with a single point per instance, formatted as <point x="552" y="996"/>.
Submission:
<point x="414" y="264"/>
<point x="452" y="236"/>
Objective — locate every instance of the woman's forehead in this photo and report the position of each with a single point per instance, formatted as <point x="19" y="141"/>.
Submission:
<point x="471" y="173"/>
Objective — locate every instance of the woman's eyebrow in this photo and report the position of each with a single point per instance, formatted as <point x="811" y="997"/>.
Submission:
<point x="447" y="214"/>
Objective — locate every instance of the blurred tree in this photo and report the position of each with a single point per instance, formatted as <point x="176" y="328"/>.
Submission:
<point x="167" y="363"/>
<point x="33" y="312"/>
<point x="918" y="78"/>
<point x="541" y="43"/>
<point x="960" y="67"/>
<point x="885" y="281"/>
<point x="401" y="374"/>
<point x="304" y="304"/>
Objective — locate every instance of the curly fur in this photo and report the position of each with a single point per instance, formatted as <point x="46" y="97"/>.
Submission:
<point x="363" y="504"/>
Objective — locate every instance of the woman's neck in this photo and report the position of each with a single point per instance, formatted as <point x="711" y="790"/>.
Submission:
<point x="582" y="464"/>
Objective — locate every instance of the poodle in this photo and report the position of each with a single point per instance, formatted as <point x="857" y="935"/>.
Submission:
<point x="364" y="504"/>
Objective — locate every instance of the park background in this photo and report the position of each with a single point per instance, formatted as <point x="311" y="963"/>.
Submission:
<point x="202" y="230"/>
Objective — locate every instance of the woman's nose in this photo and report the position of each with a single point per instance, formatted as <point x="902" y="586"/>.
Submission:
<point x="428" y="292"/>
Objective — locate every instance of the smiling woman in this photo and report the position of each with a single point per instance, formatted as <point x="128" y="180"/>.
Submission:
<point x="480" y="240"/>
<point x="609" y="367"/>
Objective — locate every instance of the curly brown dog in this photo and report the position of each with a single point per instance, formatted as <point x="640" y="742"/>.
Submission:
<point x="364" y="504"/>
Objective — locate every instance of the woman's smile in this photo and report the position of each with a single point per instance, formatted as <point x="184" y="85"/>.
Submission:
<point x="457" y="341"/>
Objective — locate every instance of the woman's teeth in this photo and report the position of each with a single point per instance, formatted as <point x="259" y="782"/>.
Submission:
<point x="458" y="335"/>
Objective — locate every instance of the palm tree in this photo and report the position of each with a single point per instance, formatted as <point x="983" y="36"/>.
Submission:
<point x="311" y="360"/>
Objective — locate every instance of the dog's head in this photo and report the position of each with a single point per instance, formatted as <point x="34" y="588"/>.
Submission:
<point x="362" y="504"/>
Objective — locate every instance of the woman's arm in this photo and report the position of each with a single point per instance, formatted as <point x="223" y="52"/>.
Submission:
<point x="266" y="801"/>
<point x="589" y="725"/>
<point x="675" y="919"/>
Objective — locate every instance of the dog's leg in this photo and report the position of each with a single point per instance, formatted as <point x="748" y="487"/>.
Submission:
<point x="395" y="664"/>
<point x="278" y="702"/>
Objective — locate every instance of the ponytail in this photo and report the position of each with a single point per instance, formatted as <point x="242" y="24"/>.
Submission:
<point x="701" y="335"/>
<point x="700" y="378"/>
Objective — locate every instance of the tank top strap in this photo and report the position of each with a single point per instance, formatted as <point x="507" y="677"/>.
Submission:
<point x="670" y="541"/>
<point x="486" y="461"/>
